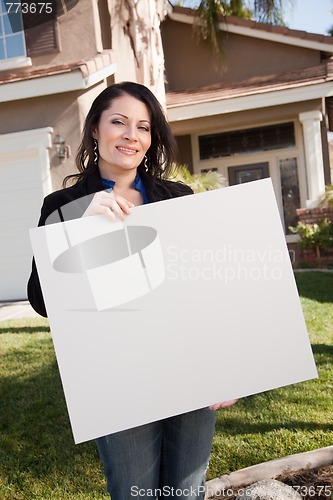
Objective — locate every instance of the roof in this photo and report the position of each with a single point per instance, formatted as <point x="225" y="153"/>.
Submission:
<point x="321" y="73"/>
<point x="260" y="92"/>
<point x="87" y="67"/>
<point x="261" y="30"/>
<point x="51" y="80"/>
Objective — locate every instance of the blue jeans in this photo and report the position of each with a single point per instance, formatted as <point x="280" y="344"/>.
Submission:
<point x="163" y="459"/>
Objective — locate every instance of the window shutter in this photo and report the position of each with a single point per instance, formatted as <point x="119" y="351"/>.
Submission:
<point x="42" y="39"/>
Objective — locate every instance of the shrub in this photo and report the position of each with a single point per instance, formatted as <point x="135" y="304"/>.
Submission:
<point x="316" y="236"/>
<point x="206" y="181"/>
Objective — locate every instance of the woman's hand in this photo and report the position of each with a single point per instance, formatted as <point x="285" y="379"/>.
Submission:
<point x="110" y="205"/>
<point x="225" y="404"/>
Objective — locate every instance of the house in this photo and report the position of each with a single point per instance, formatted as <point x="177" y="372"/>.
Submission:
<point x="266" y="114"/>
<point x="50" y="72"/>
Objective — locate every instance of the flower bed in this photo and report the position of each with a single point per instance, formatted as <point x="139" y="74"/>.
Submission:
<point x="315" y="229"/>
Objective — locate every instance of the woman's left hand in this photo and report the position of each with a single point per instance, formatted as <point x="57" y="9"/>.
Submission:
<point x="225" y="404"/>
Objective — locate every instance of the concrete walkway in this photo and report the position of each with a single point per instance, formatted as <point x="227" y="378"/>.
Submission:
<point x="14" y="310"/>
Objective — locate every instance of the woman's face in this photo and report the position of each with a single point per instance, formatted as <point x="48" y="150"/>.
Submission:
<point x="123" y="135"/>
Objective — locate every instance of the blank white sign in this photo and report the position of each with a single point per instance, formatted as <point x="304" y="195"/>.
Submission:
<point x="190" y="302"/>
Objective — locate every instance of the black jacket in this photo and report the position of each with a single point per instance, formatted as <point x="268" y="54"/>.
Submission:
<point x="156" y="190"/>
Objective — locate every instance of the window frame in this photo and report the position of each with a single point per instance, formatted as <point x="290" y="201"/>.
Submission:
<point x="20" y="61"/>
<point x="30" y="42"/>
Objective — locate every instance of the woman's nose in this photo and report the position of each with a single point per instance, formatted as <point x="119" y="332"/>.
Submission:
<point x="130" y="133"/>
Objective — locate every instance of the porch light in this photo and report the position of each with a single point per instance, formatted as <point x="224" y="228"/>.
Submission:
<point x="62" y="150"/>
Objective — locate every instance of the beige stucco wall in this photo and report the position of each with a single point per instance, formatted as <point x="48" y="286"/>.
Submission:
<point x="243" y="119"/>
<point x="65" y="113"/>
<point x="123" y="56"/>
<point x="79" y="38"/>
<point x="190" y="65"/>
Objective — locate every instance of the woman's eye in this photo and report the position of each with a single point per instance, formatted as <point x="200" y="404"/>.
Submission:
<point x="117" y="122"/>
<point x="143" y="127"/>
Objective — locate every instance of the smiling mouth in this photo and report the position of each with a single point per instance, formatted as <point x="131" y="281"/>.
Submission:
<point x="126" y="150"/>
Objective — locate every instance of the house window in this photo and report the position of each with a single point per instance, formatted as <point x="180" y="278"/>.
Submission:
<point x="12" y="42"/>
<point x="247" y="141"/>
<point x="248" y="173"/>
<point x="22" y="36"/>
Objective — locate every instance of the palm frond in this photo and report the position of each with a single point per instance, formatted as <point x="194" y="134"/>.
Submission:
<point x="269" y="11"/>
<point x="209" y="13"/>
<point x="198" y="182"/>
<point x="206" y="26"/>
<point x="237" y="8"/>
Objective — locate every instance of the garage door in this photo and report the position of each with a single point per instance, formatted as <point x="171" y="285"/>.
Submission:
<point x="24" y="181"/>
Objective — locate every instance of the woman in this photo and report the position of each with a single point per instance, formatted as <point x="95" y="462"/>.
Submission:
<point x="125" y="157"/>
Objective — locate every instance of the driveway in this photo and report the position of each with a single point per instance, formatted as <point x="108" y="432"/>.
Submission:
<point x="13" y="310"/>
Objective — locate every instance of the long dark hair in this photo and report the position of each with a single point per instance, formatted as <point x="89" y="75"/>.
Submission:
<point x="163" y="147"/>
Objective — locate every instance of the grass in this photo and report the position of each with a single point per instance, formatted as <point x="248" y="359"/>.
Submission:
<point x="40" y="461"/>
<point x="292" y="419"/>
<point x="38" y="457"/>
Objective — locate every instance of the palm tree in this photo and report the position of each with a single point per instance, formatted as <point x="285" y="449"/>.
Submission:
<point x="209" y="14"/>
<point x="269" y="11"/>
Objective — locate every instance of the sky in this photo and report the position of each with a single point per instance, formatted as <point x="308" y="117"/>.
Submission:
<point x="309" y="15"/>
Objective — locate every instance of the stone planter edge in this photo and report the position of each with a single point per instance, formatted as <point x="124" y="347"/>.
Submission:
<point x="269" y="470"/>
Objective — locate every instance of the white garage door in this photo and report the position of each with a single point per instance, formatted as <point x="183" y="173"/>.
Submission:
<point x="24" y="181"/>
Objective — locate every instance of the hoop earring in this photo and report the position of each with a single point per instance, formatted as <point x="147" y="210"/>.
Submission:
<point x="146" y="163"/>
<point x="96" y="155"/>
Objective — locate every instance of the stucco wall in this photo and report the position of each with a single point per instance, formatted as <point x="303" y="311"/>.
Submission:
<point x="123" y="56"/>
<point x="65" y="113"/>
<point x="243" y="119"/>
<point x="190" y="65"/>
<point x="77" y="36"/>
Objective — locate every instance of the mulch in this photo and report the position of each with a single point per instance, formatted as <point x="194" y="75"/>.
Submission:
<point x="311" y="484"/>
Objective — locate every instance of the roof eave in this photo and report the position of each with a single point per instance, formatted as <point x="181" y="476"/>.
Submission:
<point x="58" y="80"/>
<point x="263" y="99"/>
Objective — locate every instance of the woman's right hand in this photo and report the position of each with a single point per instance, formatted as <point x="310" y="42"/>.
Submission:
<point x="109" y="204"/>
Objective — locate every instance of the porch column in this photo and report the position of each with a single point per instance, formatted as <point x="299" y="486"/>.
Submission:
<point x="313" y="155"/>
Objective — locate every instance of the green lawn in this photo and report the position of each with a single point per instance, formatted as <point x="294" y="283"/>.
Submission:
<point x="40" y="461"/>
<point x="291" y="419"/>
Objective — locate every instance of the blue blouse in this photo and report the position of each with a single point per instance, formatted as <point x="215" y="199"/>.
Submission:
<point x="137" y="184"/>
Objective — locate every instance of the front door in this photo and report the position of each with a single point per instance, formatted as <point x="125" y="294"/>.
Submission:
<point x="248" y="173"/>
